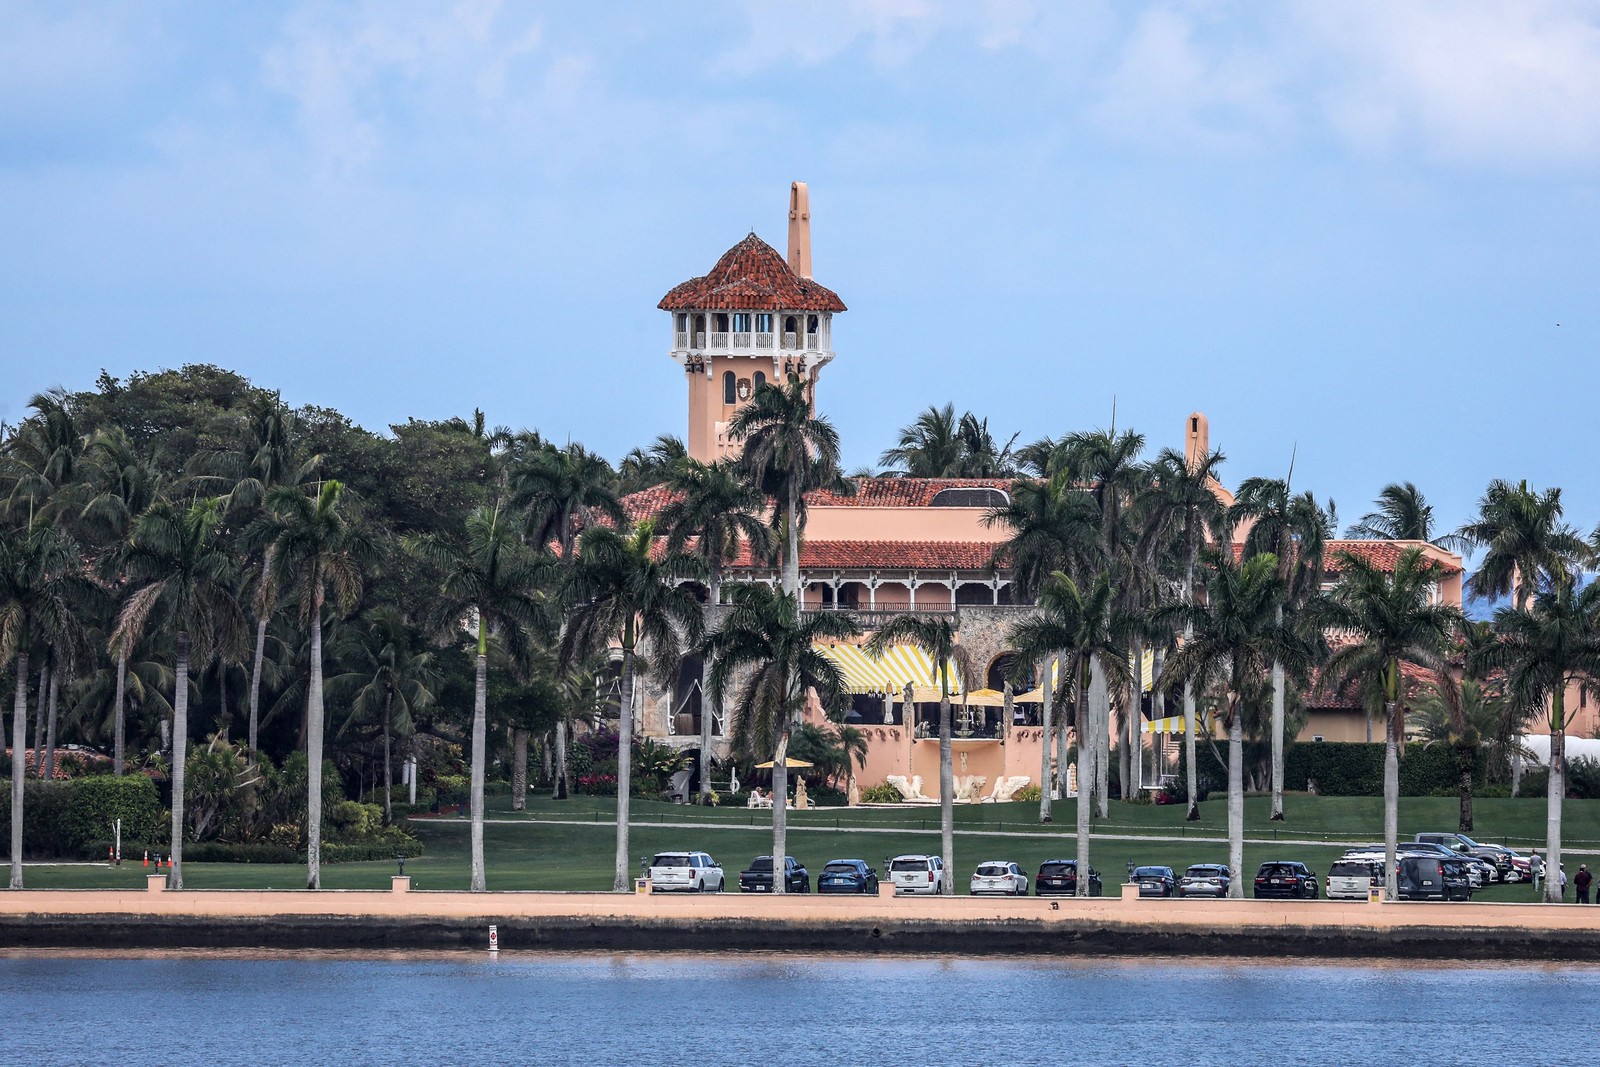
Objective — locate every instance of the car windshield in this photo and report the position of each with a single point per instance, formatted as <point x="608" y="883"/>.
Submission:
<point x="1203" y="872"/>
<point x="993" y="870"/>
<point x="761" y="863"/>
<point x="1057" y="869"/>
<point x="1150" y="872"/>
<point x="840" y="868"/>
<point x="909" y="865"/>
<point x="670" y="859"/>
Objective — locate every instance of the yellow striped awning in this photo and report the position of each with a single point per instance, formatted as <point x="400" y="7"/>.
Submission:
<point x="1173" y="724"/>
<point x="889" y="674"/>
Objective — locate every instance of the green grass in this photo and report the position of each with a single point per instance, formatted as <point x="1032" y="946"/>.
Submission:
<point x="530" y="851"/>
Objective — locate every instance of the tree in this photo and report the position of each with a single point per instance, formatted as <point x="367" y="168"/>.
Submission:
<point x="1191" y="514"/>
<point x="1394" y="620"/>
<point x="182" y="575"/>
<point x="41" y="461"/>
<point x="388" y="678"/>
<point x="1401" y="513"/>
<point x="643" y="467"/>
<point x="1526" y="545"/>
<point x="715" y="511"/>
<point x="560" y="491"/>
<point x="1235" y="638"/>
<point x="316" y="549"/>
<point x="769" y="643"/>
<point x="1465" y="716"/>
<point x="38" y="580"/>
<point x="1293" y="529"/>
<point x="930" y="447"/>
<point x="492" y="583"/>
<point x="1544" y="649"/>
<point x="618" y="590"/>
<point x="1080" y="622"/>
<point x="936" y="636"/>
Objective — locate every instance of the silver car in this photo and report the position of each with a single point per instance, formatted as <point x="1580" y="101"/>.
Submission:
<point x="999" y="878"/>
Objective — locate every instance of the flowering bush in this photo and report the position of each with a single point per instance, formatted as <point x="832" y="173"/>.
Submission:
<point x="596" y="785"/>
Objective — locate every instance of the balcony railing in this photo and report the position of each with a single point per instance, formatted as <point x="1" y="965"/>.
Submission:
<point x="747" y="341"/>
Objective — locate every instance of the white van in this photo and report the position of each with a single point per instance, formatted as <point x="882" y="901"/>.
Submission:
<point x="1351" y="879"/>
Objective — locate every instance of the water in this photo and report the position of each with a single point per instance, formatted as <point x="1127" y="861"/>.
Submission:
<point x="743" y="1009"/>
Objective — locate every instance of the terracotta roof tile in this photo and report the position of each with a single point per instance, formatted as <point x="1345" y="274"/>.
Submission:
<point x="889" y="555"/>
<point x="752" y="275"/>
<point x="870" y="493"/>
<point x="1382" y="554"/>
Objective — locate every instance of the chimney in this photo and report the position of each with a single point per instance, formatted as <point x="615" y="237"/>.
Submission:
<point x="799" y="230"/>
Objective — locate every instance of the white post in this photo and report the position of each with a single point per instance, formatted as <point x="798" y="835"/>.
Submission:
<point x="411" y="776"/>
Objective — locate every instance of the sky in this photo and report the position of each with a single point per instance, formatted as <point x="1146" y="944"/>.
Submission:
<point x="1365" y="234"/>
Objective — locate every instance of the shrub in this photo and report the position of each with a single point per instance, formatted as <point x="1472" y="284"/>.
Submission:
<point x="73" y="818"/>
<point x="453" y="789"/>
<point x="1028" y="794"/>
<point x="882" y="793"/>
<point x="235" y="852"/>
<point x="367" y="851"/>
<point x="733" y="800"/>
<point x="826" y="796"/>
<point x="1535" y="782"/>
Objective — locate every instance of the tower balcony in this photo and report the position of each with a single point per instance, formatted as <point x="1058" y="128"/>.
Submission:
<point x="748" y="343"/>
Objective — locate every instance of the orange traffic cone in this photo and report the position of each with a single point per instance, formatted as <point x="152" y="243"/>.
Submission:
<point x="147" y="857"/>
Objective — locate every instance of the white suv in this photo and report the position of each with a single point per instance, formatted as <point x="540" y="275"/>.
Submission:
<point x="684" y="872"/>
<point x="917" y="874"/>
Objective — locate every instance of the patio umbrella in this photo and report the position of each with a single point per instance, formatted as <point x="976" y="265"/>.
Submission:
<point x="788" y="761"/>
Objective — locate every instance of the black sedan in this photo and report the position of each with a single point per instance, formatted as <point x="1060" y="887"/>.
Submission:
<point x="847" y="876"/>
<point x="1155" y="881"/>
<point x="757" y="878"/>
<point x="1286" y="880"/>
<point x="1059" y="878"/>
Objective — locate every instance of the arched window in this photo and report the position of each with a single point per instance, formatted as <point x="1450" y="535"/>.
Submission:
<point x="761" y="379"/>
<point x="728" y="387"/>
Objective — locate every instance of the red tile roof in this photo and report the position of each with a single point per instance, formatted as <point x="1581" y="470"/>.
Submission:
<point x="870" y="493"/>
<point x="751" y="275"/>
<point x="889" y="555"/>
<point x="1381" y="554"/>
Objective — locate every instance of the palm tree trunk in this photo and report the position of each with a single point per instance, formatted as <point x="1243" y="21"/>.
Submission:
<point x="1236" y="803"/>
<point x="38" y="714"/>
<point x="49" y="771"/>
<point x="1555" y="793"/>
<point x="480" y="740"/>
<point x="180" y="755"/>
<point x="314" y="731"/>
<point x="388" y="768"/>
<point x="224" y="723"/>
<point x="791" y="567"/>
<point x="1391" y="801"/>
<point x="780" y="811"/>
<point x="1466" y="764"/>
<point x="1277" y="735"/>
<point x="19" y="731"/>
<point x="560" y="792"/>
<point x="1061" y="735"/>
<point x="119" y="723"/>
<point x="519" y="769"/>
<point x="1046" y="781"/>
<point x="622" y="882"/>
<point x="947" y="797"/>
<point x="1190" y="752"/>
<point x="1097" y="688"/>
<point x="707" y="706"/>
<point x="255" y="684"/>
<point x="1130" y="720"/>
<point x="1102" y="763"/>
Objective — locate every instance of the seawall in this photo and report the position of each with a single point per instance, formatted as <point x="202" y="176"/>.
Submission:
<point x="114" y="919"/>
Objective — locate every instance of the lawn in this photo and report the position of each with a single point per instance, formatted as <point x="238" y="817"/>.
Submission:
<point x="534" y="851"/>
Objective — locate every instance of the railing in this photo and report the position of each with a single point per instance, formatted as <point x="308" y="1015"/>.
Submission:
<point x="741" y="340"/>
<point x="870" y="617"/>
<point x="719" y="340"/>
<point x="748" y="341"/>
<point x="763" y="340"/>
<point x="683" y="340"/>
<point x="791" y="342"/>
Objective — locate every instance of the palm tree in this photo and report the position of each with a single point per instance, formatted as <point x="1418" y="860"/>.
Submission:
<point x="786" y="453"/>
<point x="1526" y="545"/>
<point x="766" y="640"/>
<point x="716" y="511"/>
<point x="183" y="574"/>
<point x="643" y="467"/>
<point x="1395" y="620"/>
<point x="1543" y="649"/>
<point x="1294" y="530"/>
<point x="1464" y="715"/>
<point x="931" y="447"/>
<point x="561" y="491"/>
<point x="1235" y="638"/>
<point x="388" y="680"/>
<point x="492" y="581"/>
<point x="935" y="635"/>
<point x="618" y="590"/>
<point x="316" y="549"/>
<point x="42" y="458"/>
<point x="1401" y="513"/>
<point x="38" y="575"/>
<point x="1193" y="514"/>
<point x="1084" y="625"/>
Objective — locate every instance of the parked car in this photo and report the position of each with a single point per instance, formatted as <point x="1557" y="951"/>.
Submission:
<point x="847" y="876"/>
<point x="757" y="878"/>
<point x="1478" y="871"/>
<point x="1286" y="879"/>
<point x="1353" y="879"/>
<point x="1205" y="880"/>
<point x="999" y="877"/>
<point x="1060" y="878"/>
<point x="684" y="872"/>
<point x="917" y="874"/>
<point x="1431" y="878"/>
<point x="1511" y="867"/>
<point x="1155" y="881"/>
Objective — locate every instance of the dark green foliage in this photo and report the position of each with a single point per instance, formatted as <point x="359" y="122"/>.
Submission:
<point x="1353" y="769"/>
<point x="94" y="804"/>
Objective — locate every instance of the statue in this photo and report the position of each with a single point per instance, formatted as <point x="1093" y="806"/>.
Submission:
<point x="800" y="794"/>
<point x="1005" y="788"/>
<point x="854" y="796"/>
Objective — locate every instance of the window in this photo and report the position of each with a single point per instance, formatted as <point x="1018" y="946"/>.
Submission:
<point x="683" y="323"/>
<point x="729" y="384"/>
<point x="721" y="323"/>
<point x="811" y="324"/>
<point x="761" y="379"/>
<point x="764" y="322"/>
<point x="741" y="323"/>
<point x="1318" y="737"/>
<point x="970" y="497"/>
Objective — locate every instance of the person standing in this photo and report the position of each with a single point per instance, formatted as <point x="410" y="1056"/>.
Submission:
<point x="1580" y="882"/>
<point x="1561" y="886"/>
<point x="1536" y="871"/>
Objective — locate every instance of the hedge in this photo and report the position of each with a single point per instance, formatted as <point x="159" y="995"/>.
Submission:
<point x="1352" y="769"/>
<point x="74" y="818"/>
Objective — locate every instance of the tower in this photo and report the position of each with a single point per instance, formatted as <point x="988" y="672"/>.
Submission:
<point x="754" y="318"/>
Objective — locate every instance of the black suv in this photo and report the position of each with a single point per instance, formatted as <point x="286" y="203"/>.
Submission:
<point x="1286" y="879"/>
<point x="758" y="877"/>
<point x="1059" y="878"/>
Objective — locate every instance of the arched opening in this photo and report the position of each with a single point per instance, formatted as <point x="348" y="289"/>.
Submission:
<point x="686" y="698"/>
<point x="760" y="379"/>
<point x="730" y="386"/>
<point x="974" y="594"/>
<point x="699" y="331"/>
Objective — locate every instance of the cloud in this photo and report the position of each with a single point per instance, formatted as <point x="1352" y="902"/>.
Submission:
<point x="1497" y="83"/>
